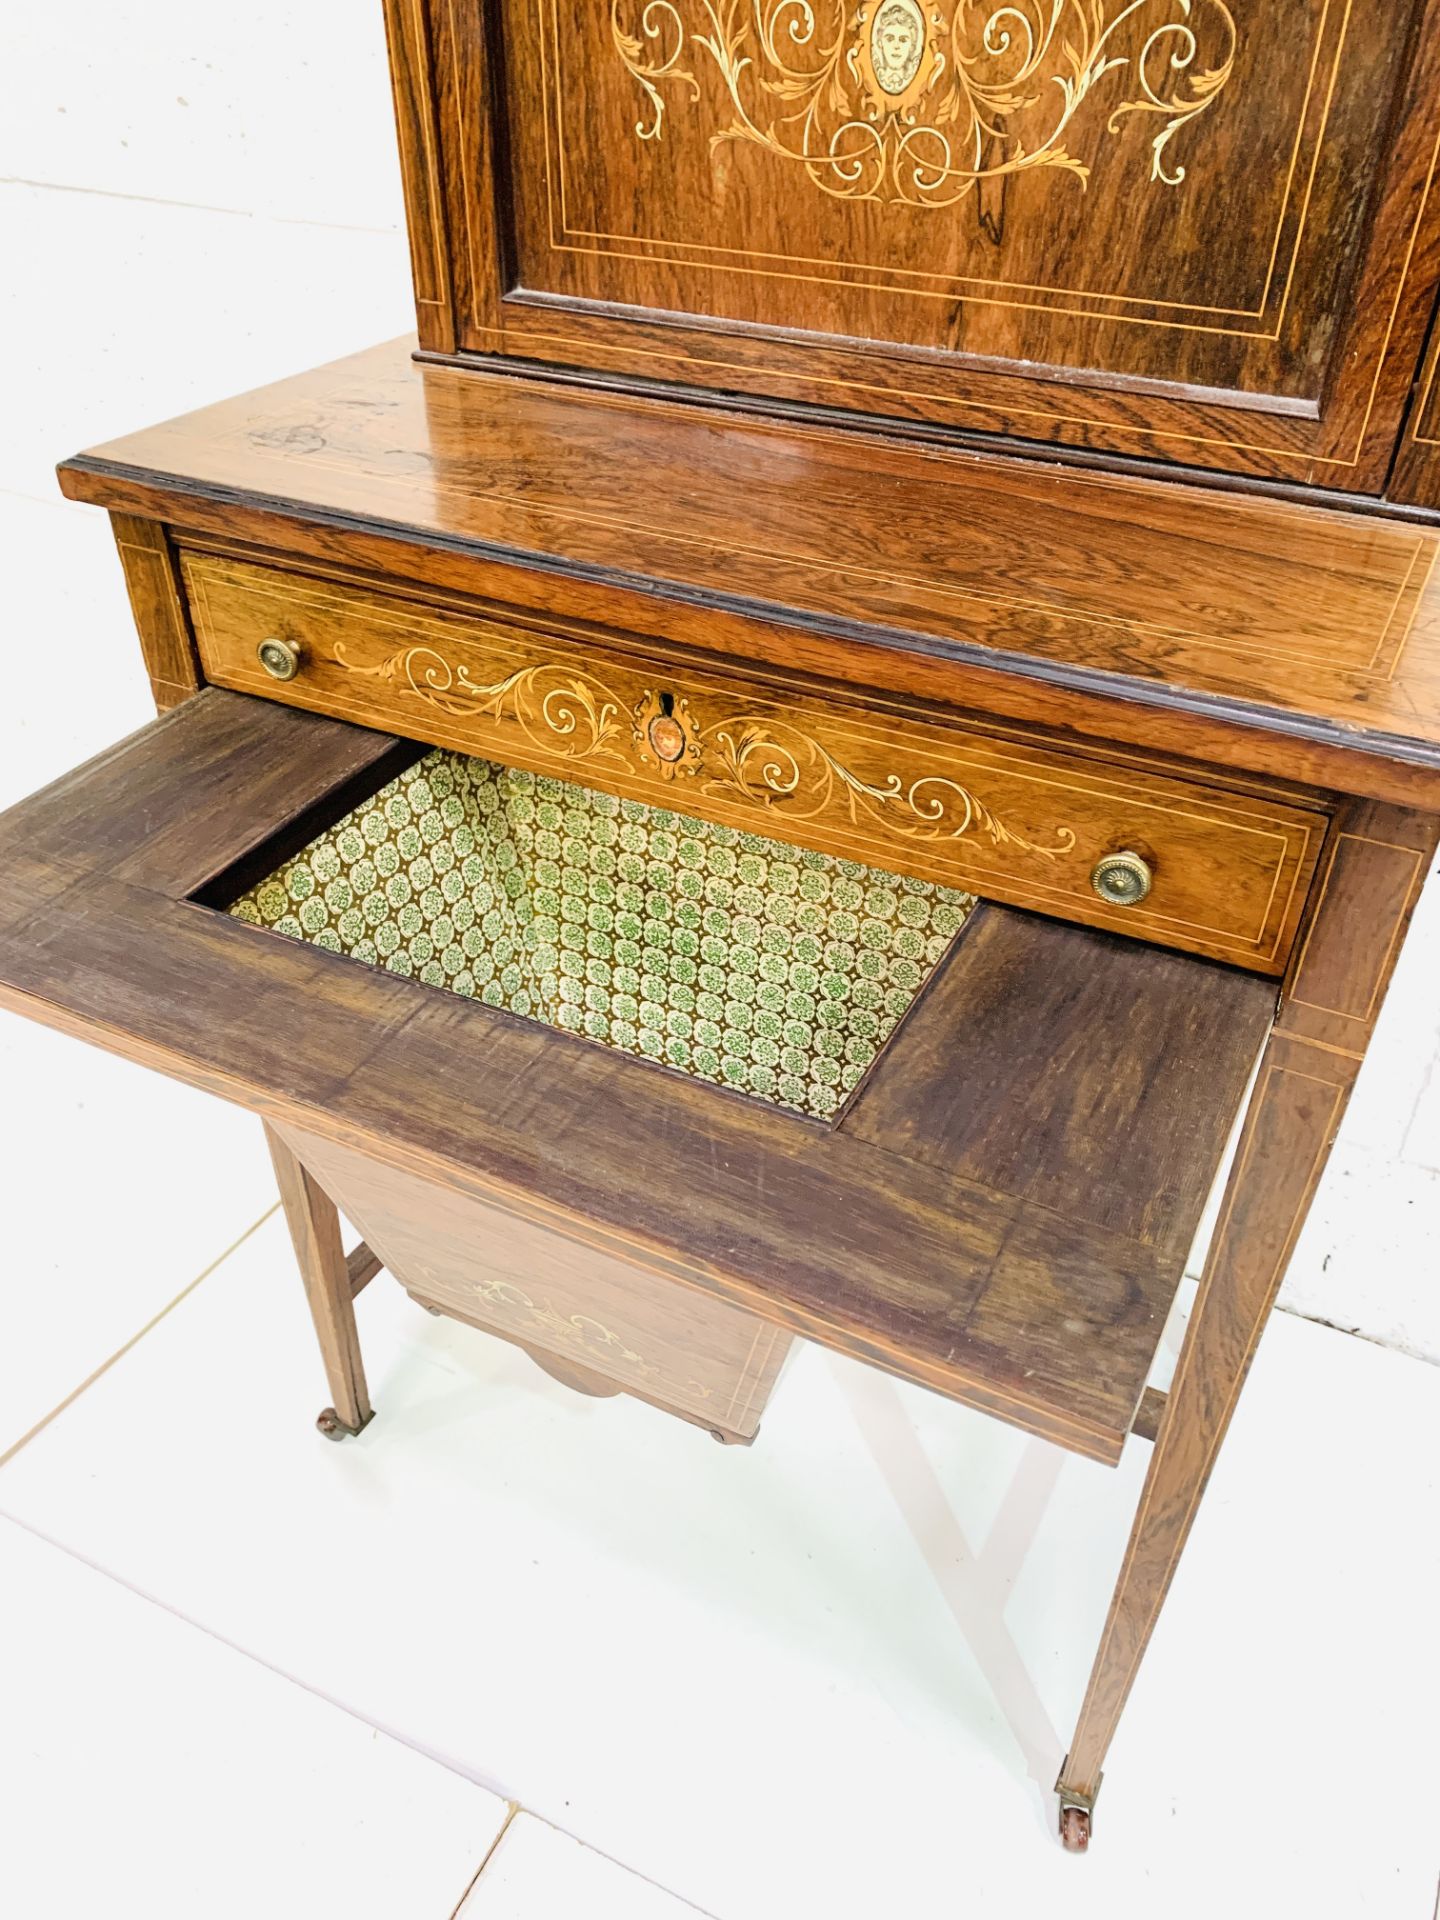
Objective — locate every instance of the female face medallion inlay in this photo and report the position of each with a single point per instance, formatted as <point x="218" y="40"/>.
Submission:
<point x="897" y="40"/>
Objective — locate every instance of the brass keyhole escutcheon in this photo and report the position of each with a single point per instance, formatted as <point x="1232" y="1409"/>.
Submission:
<point x="667" y="738"/>
<point x="279" y="658"/>
<point x="665" y="733"/>
<point x="1122" y="879"/>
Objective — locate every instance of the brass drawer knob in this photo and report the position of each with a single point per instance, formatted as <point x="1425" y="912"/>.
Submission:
<point x="280" y="658"/>
<point x="1122" y="879"/>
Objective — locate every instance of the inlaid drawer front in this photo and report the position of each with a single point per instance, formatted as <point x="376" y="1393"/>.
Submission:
<point x="1107" y="842"/>
<point x="645" y="1333"/>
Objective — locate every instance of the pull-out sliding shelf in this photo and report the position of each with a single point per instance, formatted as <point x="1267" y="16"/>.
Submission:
<point x="1001" y="1212"/>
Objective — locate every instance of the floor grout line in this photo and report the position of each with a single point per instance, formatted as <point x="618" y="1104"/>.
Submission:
<point x="700" y="1913"/>
<point x="1386" y="1344"/>
<point x="135" y="1339"/>
<point x="1432" y="1068"/>
<point x="512" y="1808"/>
<point x="196" y="206"/>
<point x="248" y="1653"/>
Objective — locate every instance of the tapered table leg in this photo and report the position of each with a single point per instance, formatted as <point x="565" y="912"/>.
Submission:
<point x="315" y="1230"/>
<point x="1375" y="865"/>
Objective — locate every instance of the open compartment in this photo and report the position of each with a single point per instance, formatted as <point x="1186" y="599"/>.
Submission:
<point x="775" y="970"/>
<point x="1001" y="1209"/>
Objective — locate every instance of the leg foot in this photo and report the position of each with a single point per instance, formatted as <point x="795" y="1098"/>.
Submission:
<point x="320" y="1253"/>
<point x="334" y="1428"/>
<point x="1075" y="1829"/>
<point x="1077" y="1812"/>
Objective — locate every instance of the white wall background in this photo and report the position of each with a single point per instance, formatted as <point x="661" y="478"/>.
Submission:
<point x="196" y="199"/>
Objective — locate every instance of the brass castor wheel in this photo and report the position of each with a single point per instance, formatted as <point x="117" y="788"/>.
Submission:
<point x="333" y="1427"/>
<point x="1075" y="1829"/>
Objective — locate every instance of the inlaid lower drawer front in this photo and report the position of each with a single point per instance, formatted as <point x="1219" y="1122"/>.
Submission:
<point x="996" y="813"/>
<point x="645" y="1333"/>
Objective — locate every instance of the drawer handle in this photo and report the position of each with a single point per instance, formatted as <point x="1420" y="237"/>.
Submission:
<point x="280" y="658"/>
<point x="1122" y="879"/>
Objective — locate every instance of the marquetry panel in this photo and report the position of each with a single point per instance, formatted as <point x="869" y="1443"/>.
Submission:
<point x="906" y="789"/>
<point x="1208" y="212"/>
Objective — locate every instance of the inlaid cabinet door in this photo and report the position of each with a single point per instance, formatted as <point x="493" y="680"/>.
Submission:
<point x="1186" y="229"/>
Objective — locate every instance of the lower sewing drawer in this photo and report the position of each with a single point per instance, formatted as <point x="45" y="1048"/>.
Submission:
<point x="597" y="1317"/>
<point x="1114" y="841"/>
<point x="979" y="1165"/>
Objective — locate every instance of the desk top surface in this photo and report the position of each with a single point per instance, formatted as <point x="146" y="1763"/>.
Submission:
<point x="1234" y="611"/>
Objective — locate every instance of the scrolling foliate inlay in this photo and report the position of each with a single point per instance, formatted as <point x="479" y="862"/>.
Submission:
<point x="770" y="760"/>
<point x="577" y="1330"/>
<point x="756" y="758"/>
<point x="555" y="708"/>
<point x="914" y="104"/>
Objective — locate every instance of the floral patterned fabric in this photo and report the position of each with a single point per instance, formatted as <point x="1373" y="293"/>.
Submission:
<point x="768" y="968"/>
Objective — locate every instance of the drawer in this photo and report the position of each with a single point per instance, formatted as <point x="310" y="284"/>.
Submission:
<point x="588" y="1311"/>
<point x="999" y="1209"/>
<point x="921" y="793"/>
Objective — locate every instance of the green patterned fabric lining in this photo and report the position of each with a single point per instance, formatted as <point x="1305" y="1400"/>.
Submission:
<point x="755" y="965"/>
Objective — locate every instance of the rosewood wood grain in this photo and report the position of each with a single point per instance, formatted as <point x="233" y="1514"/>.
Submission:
<point x="1257" y="305"/>
<point x="1375" y="868"/>
<point x="1087" y="1078"/>
<point x="910" y="790"/>
<point x="1278" y="638"/>
<point x="874" y="1252"/>
<point x="1416" y="475"/>
<point x="407" y="34"/>
<point x="158" y="604"/>
<point x="122" y="814"/>
<point x="567" y="1304"/>
<point x="315" y="1231"/>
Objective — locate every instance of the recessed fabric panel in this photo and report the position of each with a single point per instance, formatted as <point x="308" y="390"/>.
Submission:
<point x="1170" y="190"/>
<point x="774" y="970"/>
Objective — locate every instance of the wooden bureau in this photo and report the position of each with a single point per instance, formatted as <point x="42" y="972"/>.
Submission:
<point x="926" y="575"/>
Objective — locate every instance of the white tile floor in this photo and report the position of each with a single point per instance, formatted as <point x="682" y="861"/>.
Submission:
<point x="224" y="1790"/>
<point x="832" y="1674"/>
